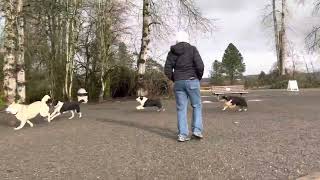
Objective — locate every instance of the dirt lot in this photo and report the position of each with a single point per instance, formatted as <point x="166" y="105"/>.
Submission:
<point x="278" y="138"/>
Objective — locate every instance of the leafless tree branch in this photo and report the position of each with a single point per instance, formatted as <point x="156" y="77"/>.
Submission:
<point x="313" y="40"/>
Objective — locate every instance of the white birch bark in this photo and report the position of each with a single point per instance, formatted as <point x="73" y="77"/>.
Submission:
<point x="9" y="67"/>
<point x="68" y="62"/>
<point x="71" y="41"/>
<point x="143" y="56"/>
<point x="21" y="80"/>
<point x="102" y="50"/>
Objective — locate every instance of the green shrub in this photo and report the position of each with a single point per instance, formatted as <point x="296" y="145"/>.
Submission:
<point x="122" y="82"/>
<point x="2" y="102"/>
<point x="158" y="84"/>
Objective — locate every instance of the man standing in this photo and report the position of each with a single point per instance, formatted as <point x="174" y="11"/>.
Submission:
<point x="185" y="68"/>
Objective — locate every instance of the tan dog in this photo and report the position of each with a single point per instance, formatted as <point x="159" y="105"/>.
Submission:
<point x="26" y="112"/>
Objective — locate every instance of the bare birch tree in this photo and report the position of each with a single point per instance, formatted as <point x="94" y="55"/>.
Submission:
<point x="313" y="38"/>
<point x="109" y="27"/>
<point x="279" y="14"/>
<point x="146" y="25"/>
<point x="72" y="26"/>
<point x="152" y="17"/>
<point x="276" y="29"/>
<point x="282" y="39"/>
<point x="21" y="79"/>
<point x="9" y="68"/>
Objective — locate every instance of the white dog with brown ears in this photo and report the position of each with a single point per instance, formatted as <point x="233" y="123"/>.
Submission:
<point x="26" y="112"/>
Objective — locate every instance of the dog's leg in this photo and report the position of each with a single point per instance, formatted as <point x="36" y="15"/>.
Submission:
<point x="226" y="105"/>
<point x="49" y="116"/>
<point x="23" y="122"/>
<point x="160" y="107"/>
<point x="30" y="123"/>
<point x="45" y="112"/>
<point x="232" y="106"/>
<point x="80" y="115"/>
<point x="72" y="115"/>
<point x="139" y="107"/>
<point x="54" y="116"/>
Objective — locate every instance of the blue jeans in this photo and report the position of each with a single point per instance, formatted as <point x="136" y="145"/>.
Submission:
<point x="185" y="90"/>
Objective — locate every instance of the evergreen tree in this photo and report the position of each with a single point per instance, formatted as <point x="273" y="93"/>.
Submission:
<point x="232" y="63"/>
<point x="125" y="59"/>
<point x="262" y="78"/>
<point x="216" y="77"/>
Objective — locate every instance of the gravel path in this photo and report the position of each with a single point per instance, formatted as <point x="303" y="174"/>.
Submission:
<point x="278" y="138"/>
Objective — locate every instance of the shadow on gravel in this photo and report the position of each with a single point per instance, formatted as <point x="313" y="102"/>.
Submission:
<point x="9" y="120"/>
<point x="167" y="133"/>
<point x="6" y="118"/>
<point x="6" y="124"/>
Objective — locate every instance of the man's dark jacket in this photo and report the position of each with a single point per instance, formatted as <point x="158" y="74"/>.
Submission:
<point x="183" y="62"/>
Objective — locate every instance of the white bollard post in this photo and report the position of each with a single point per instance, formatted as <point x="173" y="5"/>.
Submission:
<point x="82" y="94"/>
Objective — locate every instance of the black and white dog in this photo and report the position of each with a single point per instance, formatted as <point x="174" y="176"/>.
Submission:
<point x="145" y="102"/>
<point x="234" y="101"/>
<point x="63" y="107"/>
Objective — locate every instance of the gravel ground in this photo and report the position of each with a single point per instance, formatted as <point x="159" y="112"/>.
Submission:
<point x="278" y="138"/>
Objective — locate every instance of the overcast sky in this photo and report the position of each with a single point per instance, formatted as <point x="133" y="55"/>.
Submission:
<point x="239" y="22"/>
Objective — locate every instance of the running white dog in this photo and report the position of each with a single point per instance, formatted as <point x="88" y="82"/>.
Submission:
<point x="26" y="112"/>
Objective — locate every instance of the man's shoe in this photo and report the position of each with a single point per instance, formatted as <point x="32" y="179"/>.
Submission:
<point x="197" y="135"/>
<point x="182" y="138"/>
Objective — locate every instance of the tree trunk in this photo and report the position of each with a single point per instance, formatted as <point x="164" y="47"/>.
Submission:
<point x="102" y="50"/>
<point x="66" y="80"/>
<point x="74" y="40"/>
<point x="21" y="80"/>
<point x="282" y="39"/>
<point x="313" y="72"/>
<point x="71" y="80"/>
<point x="232" y="78"/>
<point x="87" y="61"/>
<point x="293" y="69"/>
<point x="49" y="28"/>
<point x="144" y="47"/>
<point x="9" y="67"/>
<point x="103" y="87"/>
<point x="71" y="41"/>
<point x="71" y="54"/>
<point x="276" y="30"/>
